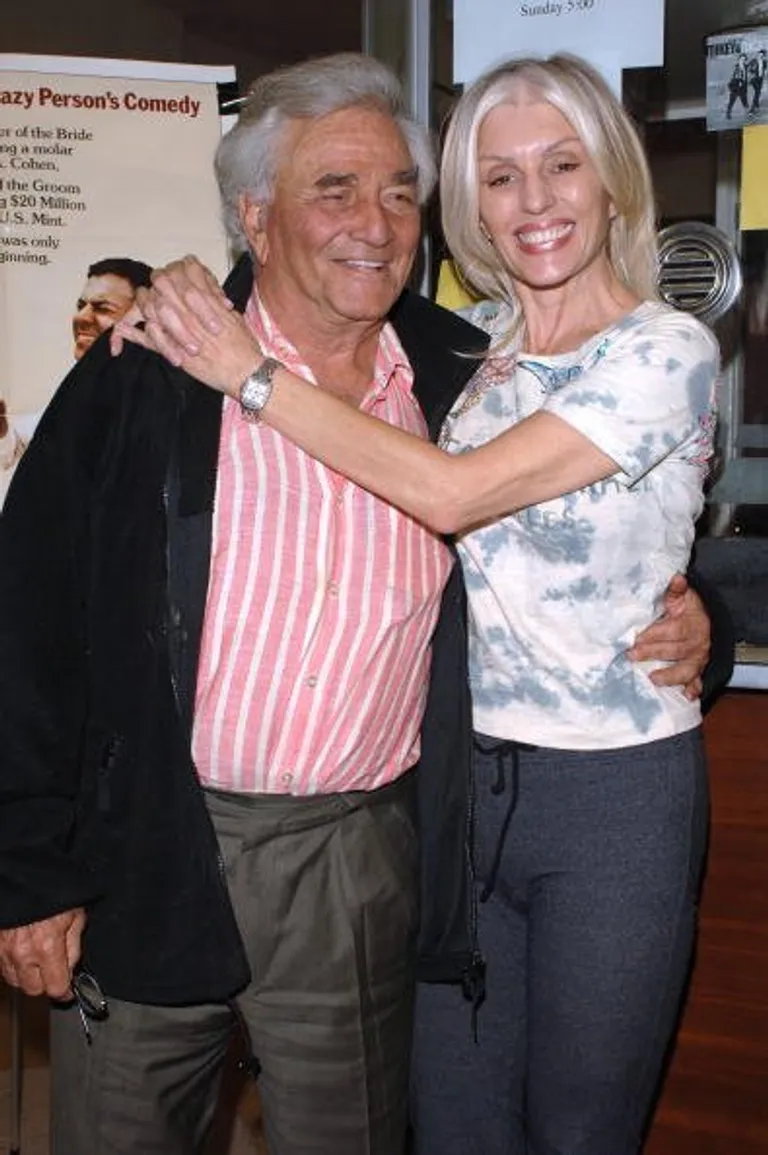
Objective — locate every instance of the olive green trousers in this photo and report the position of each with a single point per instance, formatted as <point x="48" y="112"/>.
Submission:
<point x="325" y="893"/>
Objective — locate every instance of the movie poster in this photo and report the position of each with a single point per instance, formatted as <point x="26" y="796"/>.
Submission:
<point x="105" y="171"/>
<point x="737" y="93"/>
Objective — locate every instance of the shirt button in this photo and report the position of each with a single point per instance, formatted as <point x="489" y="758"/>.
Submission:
<point x="286" y="778"/>
<point x="312" y="681"/>
<point x="333" y="589"/>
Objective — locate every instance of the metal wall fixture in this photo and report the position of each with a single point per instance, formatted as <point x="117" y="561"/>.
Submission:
<point x="699" y="270"/>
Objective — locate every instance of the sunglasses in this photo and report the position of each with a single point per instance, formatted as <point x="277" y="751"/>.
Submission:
<point x="92" y="1006"/>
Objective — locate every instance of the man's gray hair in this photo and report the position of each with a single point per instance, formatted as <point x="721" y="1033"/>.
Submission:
<point x="247" y="157"/>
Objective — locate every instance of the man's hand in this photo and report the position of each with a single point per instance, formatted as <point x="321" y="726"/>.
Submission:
<point x="40" y="957"/>
<point x="681" y="636"/>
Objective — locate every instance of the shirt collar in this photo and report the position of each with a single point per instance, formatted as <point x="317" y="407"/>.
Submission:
<point x="392" y="364"/>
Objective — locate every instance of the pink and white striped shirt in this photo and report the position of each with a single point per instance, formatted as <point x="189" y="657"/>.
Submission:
<point x="321" y="603"/>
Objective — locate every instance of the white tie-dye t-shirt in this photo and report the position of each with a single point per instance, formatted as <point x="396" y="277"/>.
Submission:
<point x="558" y="591"/>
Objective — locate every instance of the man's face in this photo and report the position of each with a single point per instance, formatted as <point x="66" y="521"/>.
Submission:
<point x="103" y="301"/>
<point x="336" y="245"/>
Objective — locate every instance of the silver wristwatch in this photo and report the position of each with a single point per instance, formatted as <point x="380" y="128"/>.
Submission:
<point x="256" y="390"/>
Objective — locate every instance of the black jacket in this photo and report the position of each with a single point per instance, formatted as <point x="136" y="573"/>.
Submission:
<point x="104" y="553"/>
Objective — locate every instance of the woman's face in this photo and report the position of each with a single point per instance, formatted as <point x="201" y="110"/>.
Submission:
<point x="541" y="200"/>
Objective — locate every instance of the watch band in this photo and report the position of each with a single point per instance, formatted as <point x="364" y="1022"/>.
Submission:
<point x="256" y="390"/>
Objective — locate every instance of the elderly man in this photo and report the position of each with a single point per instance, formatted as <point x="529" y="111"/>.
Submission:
<point x="217" y="652"/>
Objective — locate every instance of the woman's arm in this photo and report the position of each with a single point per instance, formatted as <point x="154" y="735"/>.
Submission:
<point x="538" y="459"/>
<point x="189" y="307"/>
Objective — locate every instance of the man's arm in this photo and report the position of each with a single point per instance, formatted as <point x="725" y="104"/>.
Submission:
<point x="43" y="688"/>
<point x="694" y="635"/>
<point x="719" y="668"/>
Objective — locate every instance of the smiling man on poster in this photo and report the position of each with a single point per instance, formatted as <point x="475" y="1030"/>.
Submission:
<point x="107" y="295"/>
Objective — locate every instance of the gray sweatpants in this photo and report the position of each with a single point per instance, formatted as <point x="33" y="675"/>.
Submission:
<point x="324" y="890"/>
<point x="587" y="934"/>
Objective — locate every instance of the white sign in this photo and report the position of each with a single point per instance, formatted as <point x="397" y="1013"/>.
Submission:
<point x="604" y="32"/>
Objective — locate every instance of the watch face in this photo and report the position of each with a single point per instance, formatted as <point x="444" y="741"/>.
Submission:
<point x="254" y="393"/>
<point x="256" y="389"/>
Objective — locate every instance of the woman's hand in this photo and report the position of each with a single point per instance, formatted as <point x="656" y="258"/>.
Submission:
<point x="189" y="321"/>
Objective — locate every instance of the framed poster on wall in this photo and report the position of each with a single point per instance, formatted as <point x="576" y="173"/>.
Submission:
<point x="105" y="170"/>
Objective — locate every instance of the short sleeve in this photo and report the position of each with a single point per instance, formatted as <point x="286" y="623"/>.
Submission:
<point x="646" y="395"/>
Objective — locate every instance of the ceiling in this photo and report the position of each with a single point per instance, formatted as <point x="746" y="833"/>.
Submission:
<point x="256" y="35"/>
<point x="269" y="33"/>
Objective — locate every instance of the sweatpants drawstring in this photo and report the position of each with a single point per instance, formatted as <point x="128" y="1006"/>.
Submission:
<point x="504" y="751"/>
